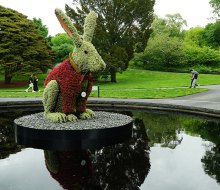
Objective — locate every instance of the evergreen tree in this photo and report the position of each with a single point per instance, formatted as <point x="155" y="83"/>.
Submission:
<point x="123" y="24"/>
<point x="22" y="48"/>
<point x="42" y="29"/>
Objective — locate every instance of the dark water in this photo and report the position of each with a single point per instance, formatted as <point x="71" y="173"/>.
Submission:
<point x="166" y="152"/>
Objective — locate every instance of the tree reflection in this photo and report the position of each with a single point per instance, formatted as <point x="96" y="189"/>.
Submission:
<point x="211" y="162"/>
<point x="7" y="138"/>
<point x="122" y="166"/>
<point x="125" y="165"/>
<point x="209" y="131"/>
<point x="162" y="129"/>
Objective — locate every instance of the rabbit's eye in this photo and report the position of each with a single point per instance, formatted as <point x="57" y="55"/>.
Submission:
<point x="85" y="52"/>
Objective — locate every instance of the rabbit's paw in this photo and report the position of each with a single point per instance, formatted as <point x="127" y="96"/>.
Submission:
<point x="90" y="112"/>
<point x="84" y="115"/>
<point x="71" y="117"/>
<point x="87" y="114"/>
<point x="56" y="117"/>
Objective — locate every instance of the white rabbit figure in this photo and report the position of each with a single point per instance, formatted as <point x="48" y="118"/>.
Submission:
<point x="68" y="85"/>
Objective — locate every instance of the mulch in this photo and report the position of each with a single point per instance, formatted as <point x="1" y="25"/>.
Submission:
<point x="14" y="84"/>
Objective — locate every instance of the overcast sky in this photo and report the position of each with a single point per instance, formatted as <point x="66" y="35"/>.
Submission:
<point x="195" y="12"/>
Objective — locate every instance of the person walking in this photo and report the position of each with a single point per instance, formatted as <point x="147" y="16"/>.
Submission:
<point x="30" y="83"/>
<point x="35" y="84"/>
<point x="194" y="78"/>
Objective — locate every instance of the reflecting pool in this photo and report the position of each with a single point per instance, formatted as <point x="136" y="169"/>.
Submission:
<point x="166" y="151"/>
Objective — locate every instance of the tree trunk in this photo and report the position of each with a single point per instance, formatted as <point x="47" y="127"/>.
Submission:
<point x="113" y="74"/>
<point x="8" y="78"/>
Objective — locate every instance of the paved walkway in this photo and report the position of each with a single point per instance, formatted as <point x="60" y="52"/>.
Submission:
<point x="209" y="99"/>
<point x="205" y="102"/>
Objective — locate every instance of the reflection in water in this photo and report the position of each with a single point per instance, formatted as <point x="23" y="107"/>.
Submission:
<point x="7" y="141"/>
<point x="161" y="129"/>
<point x="122" y="166"/>
<point x="72" y="170"/>
<point x="210" y="131"/>
<point x="125" y="165"/>
<point x="165" y="130"/>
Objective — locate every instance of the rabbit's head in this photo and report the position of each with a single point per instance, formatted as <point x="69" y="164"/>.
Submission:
<point x="84" y="55"/>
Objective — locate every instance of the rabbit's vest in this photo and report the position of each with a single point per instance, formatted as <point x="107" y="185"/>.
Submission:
<point x="70" y="84"/>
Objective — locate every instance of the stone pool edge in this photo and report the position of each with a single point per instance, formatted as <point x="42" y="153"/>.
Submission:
<point x="35" y="104"/>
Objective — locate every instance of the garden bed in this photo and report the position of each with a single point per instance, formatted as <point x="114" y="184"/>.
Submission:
<point x="13" y="84"/>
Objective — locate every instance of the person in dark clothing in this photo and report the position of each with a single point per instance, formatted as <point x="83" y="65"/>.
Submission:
<point x="35" y="84"/>
<point x="195" y="75"/>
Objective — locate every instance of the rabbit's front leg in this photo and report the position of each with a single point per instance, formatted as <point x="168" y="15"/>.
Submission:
<point x="71" y="117"/>
<point x="87" y="114"/>
<point x="84" y="113"/>
<point x="50" y="99"/>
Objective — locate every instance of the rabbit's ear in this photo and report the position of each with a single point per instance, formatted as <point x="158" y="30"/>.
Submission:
<point x="89" y="26"/>
<point x="68" y="27"/>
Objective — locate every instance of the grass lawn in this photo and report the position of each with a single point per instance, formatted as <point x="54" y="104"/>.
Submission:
<point x="154" y="79"/>
<point x="148" y="93"/>
<point x="133" y="84"/>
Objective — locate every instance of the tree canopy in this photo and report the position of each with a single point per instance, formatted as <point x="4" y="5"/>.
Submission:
<point x="22" y="48"/>
<point x="171" y="24"/>
<point x="162" y="52"/>
<point x="212" y="34"/>
<point x="42" y="29"/>
<point x="62" y="45"/>
<point x="125" y="24"/>
<point x="215" y="4"/>
<point x="195" y="36"/>
<point x="171" y="48"/>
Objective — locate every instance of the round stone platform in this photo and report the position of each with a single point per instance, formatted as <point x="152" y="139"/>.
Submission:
<point x="104" y="129"/>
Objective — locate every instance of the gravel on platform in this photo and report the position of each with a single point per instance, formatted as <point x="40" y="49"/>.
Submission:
<point x="101" y="120"/>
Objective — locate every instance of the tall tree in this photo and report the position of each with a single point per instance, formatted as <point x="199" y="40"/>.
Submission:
<point x="165" y="47"/>
<point x="215" y="4"/>
<point x="162" y="53"/>
<point x="22" y="49"/>
<point x="62" y="45"/>
<point x="124" y="24"/>
<point x="212" y="34"/>
<point x="172" y="25"/>
<point x="195" y="36"/>
<point x="42" y="29"/>
<point x="176" y="24"/>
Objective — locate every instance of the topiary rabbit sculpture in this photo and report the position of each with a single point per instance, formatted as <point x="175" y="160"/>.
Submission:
<point x="68" y="85"/>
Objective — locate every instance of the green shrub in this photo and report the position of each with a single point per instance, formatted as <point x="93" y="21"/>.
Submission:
<point x="206" y="56"/>
<point x="161" y="52"/>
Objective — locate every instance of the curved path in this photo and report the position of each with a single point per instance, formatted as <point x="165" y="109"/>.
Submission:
<point x="205" y="103"/>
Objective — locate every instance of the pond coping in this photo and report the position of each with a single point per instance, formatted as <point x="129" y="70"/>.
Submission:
<point x="203" y="108"/>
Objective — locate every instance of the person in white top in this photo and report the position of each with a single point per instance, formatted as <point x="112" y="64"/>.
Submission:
<point x="30" y="83"/>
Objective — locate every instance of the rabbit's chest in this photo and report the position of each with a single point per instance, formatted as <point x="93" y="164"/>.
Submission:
<point x="78" y="94"/>
<point x="73" y="92"/>
<point x="84" y="85"/>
